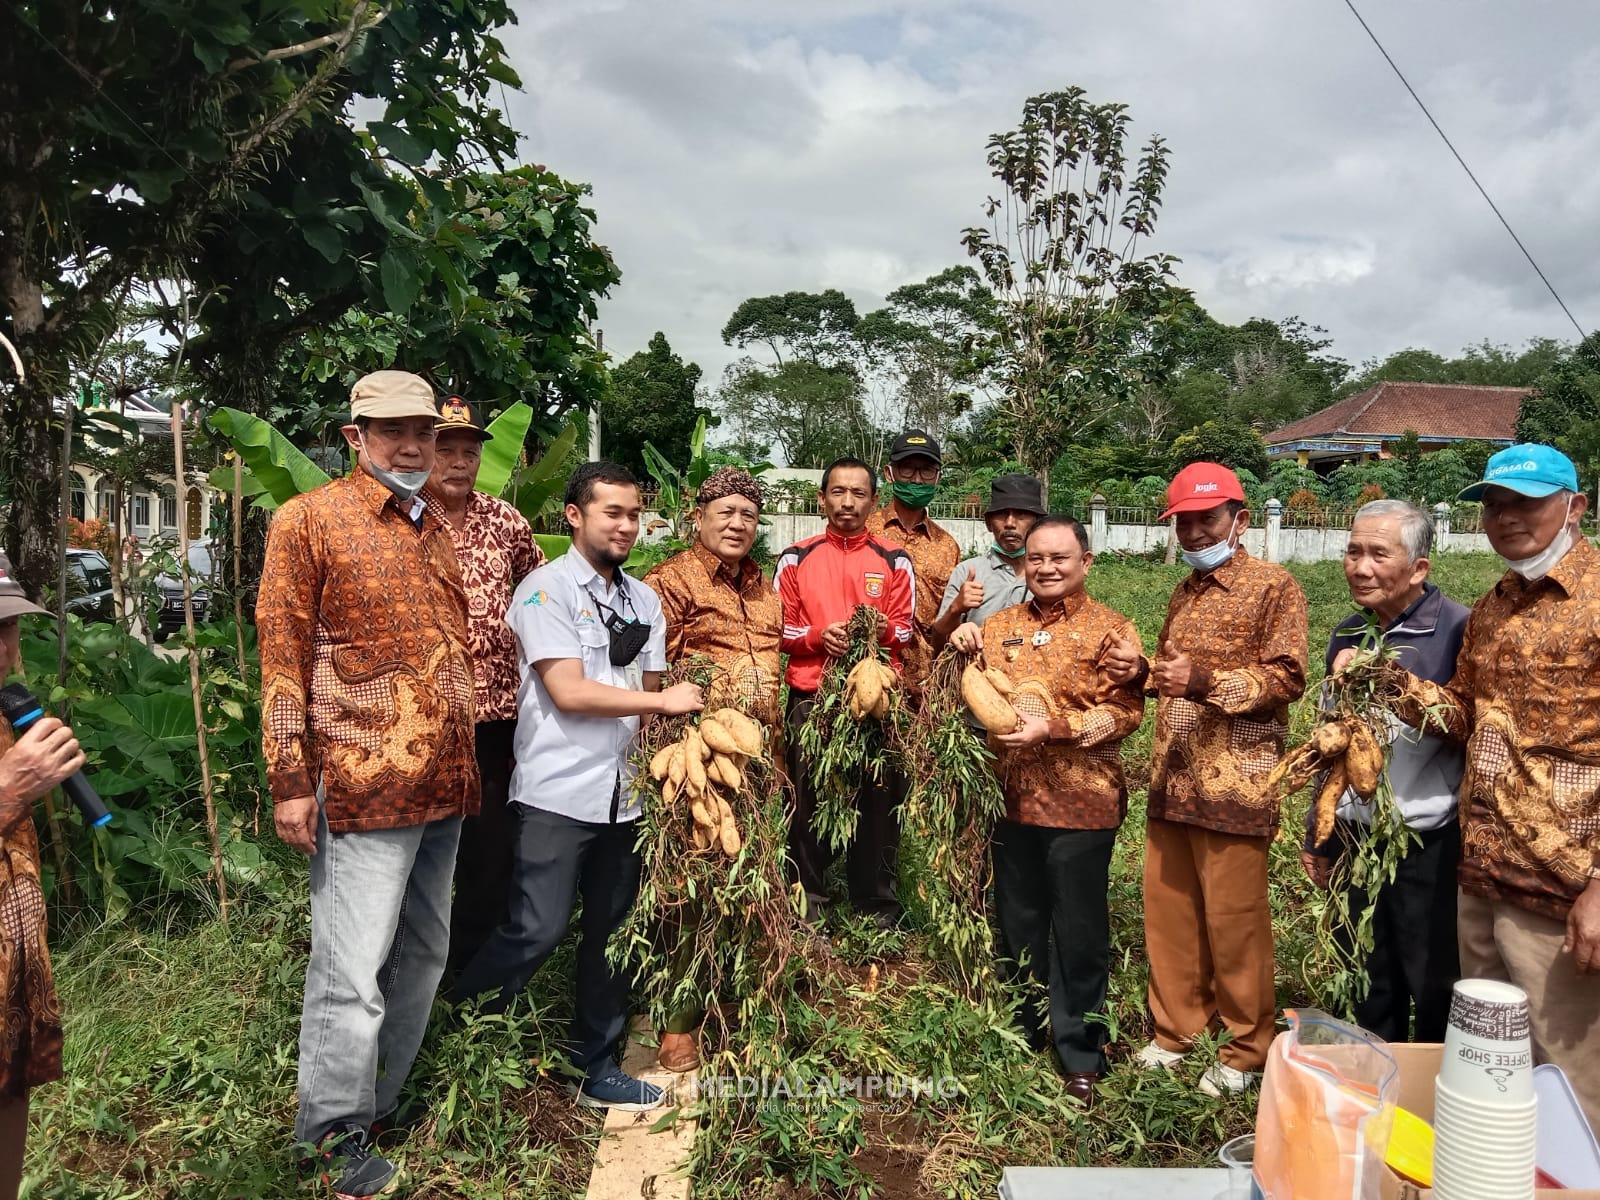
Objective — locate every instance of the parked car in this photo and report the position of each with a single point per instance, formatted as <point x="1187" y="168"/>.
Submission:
<point x="170" y="620"/>
<point x="89" y="586"/>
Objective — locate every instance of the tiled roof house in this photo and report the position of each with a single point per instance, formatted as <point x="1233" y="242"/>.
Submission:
<point x="1366" y="424"/>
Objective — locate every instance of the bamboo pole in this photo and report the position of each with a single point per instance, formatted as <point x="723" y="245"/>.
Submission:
<point x="193" y="652"/>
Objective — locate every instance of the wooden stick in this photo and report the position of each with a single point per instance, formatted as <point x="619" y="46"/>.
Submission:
<point x="194" y="670"/>
<point x="238" y="556"/>
<point x="52" y="818"/>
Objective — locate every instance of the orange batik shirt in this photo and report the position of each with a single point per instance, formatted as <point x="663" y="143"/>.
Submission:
<point x="366" y="678"/>
<point x="1526" y="700"/>
<point x="734" y="618"/>
<point x="1245" y="624"/>
<point x="934" y="555"/>
<point x="1074" y="780"/>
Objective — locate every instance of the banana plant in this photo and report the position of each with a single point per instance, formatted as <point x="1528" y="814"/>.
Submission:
<point x="675" y="489"/>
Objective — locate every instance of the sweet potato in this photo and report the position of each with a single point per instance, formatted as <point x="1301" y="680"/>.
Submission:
<point x="669" y="792"/>
<point x="868" y="684"/>
<point x="746" y="730"/>
<point x="1327" y="802"/>
<point x="880" y="710"/>
<point x="725" y="771"/>
<point x="677" y="764"/>
<point x="718" y="736"/>
<point x="1363" y="761"/>
<point x="994" y="713"/>
<point x="1294" y="770"/>
<point x="694" y="765"/>
<point x="999" y="680"/>
<point x="729" y="837"/>
<point x="1330" y="739"/>
<point x="701" y="811"/>
<point x="659" y="761"/>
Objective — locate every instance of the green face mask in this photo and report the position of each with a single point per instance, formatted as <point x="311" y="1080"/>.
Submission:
<point x="914" y="495"/>
<point x="1004" y="553"/>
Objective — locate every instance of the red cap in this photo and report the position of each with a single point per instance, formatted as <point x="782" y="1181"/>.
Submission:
<point x="1201" y="486"/>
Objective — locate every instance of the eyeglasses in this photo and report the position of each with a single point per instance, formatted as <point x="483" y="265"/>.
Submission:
<point x="916" y="474"/>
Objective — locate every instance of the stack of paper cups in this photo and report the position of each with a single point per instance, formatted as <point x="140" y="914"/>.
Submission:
<point x="1485" y="1124"/>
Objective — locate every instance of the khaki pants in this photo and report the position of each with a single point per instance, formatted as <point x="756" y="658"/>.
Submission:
<point x="1208" y="932"/>
<point x="1502" y="941"/>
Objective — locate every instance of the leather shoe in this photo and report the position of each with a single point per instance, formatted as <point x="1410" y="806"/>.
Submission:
<point x="679" y="1053"/>
<point x="1080" y="1086"/>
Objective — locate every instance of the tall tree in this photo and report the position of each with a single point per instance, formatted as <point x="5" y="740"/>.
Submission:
<point x="805" y="413"/>
<point x="653" y="398"/>
<point x="1563" y="409"/>
<point x="925" y="340"/>
<point x="1080" y="310"/>
<point x="816" y="326"/>
<point x="134" y="137"/>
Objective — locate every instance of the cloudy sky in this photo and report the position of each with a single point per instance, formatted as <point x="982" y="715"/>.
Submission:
<point x="744" y="148"/>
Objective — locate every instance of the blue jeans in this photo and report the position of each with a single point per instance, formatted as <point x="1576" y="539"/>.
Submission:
<point x="380" y="930"/>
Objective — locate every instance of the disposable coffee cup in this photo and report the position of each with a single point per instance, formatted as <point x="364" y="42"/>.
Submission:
<point x="1488" y="1055"/>
<point x="1238" y="1156"/>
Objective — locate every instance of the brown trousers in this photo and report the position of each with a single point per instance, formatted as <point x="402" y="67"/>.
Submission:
<point x="1208" y="932"/>
<point x="13" y="1143"/>
<point x="1501" y="941"/>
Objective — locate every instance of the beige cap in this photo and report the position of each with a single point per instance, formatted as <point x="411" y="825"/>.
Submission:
<point x="392" y="394"/>
<point x="14" y="601"/>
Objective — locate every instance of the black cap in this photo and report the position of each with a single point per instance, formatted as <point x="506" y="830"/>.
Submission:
<point x="456" y="413"/>
<point x="913" y="443"/>
<point x="1020" y="493"/>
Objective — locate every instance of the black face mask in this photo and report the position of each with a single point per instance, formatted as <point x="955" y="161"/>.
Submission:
<point x="628" y="634"/>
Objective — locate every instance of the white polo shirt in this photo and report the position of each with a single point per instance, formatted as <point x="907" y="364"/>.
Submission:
<point x="578" y="766"/>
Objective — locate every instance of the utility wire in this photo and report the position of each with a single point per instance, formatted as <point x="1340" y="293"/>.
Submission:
<point x="1350" y="4"/>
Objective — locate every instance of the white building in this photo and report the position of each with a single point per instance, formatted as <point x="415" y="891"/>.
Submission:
<point x="147" y="512"/>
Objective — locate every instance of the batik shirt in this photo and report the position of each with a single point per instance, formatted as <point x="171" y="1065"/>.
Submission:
<point x="934" y="554"/>
<point x="496" y="551"/>
<point x="732" y="617"/>
<point x="1074" y="779"/>
<point x="30" y="1040"/>
<point x="1244" y="626"/>
<point x="1526" y="700"/>
<point x="366" y="678"/>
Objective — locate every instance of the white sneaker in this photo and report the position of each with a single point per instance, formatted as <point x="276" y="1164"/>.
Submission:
<point x="1157" y="1058"/>
<point x="1221" y="1078"/>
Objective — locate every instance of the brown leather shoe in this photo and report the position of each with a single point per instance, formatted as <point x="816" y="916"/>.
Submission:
<point x="1080" y="1086"/>
<point x="678" y="1053"/>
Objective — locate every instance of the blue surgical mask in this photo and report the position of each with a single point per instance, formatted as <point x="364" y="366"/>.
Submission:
<point x="1211" y="557"/>
<point x="404" y="484"/>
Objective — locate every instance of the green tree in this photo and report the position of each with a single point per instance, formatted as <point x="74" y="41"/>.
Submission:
<point x="1080" y="313"/>
<point x="1227" y="442"/>
<point x="652" y="399"/>
<point x="806" y="413"/>
<point x="924" y="340"/>
<point x="1563" y="410"/>
<point x="134" y="138"/>
<point x="815" y="326"/>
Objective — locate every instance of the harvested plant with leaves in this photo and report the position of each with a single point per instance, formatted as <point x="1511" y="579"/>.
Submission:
<point x="856" y="723"/>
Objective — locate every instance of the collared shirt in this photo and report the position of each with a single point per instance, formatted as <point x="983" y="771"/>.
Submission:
<point x="823" y="579"/>
<point x="1245" y="624"/>
<point x="366" y="679"/>
<point x="1074" y="779"/>
<point x="1424" y="767"/>
<point x="1526" y="700"/>
<point x="934" y="554"/>
<point x="496" y="550"/>
<point x="732" y="616"/>
<point x="1003" y="585"/>
<point x="568" y="763"/>
<point x="30" y="1032"/>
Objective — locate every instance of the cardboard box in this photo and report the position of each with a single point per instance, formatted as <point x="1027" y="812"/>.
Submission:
<point x="1419" y="1067"/>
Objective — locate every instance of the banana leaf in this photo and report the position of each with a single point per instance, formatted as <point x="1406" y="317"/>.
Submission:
<point x="537" y="484"/>
<point x="282" y="469"/>
<point x="503" y="450"/>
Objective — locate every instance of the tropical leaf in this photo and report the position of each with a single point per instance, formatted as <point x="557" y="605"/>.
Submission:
<point x="282" y="469"/>
<point x="539" y="483"/>
<point x="554" y="545"/>
<point x="503" y="450"/>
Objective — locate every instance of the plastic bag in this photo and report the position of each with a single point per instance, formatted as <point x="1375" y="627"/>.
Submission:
<point x="1327" y="1105"/>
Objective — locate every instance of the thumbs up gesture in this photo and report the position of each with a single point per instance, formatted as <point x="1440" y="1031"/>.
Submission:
<point x="1120" y="658"/>
<point x="971" y="594"/>
<point x="1175" y="674"/>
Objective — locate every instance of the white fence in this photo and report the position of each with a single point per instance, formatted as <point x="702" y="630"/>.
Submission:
<point x="1284" y="536"/>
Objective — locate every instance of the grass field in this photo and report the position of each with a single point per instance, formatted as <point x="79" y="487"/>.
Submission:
<point x="181" y="1046"/>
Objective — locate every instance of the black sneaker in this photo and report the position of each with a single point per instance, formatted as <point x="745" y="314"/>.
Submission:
<point x="350" y="1167"/>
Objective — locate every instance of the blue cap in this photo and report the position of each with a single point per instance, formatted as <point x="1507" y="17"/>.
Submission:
<point x="1531" y="469"/>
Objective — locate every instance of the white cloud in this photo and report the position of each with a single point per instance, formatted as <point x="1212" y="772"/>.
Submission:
<point x="738" y="150"/>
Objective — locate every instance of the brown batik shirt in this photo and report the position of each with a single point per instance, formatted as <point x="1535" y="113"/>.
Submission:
<point x="1074" y="779"/>
<point x="30" y="1040"/>
<point x="1243" y="625"/>
<point x="1526" y="700"/>
<point x="366" y="678"/>
<point x="934" y="555"/>
<point x="733" y="617"/>
<point x="495" y="548"/>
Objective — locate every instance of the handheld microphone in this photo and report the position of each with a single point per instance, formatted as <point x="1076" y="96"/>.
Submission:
<point x="22" y="709"/>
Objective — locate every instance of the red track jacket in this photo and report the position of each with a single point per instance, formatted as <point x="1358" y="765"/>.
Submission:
<point x="821" y="581"/>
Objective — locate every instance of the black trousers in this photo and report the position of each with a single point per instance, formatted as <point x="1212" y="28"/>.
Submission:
<point x="1055" y="929"/>
<point x="557" y="860"/>
<point x="871" y="859"/>
<point x="1414" y="957"/>
<point x="488" y="847"/>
